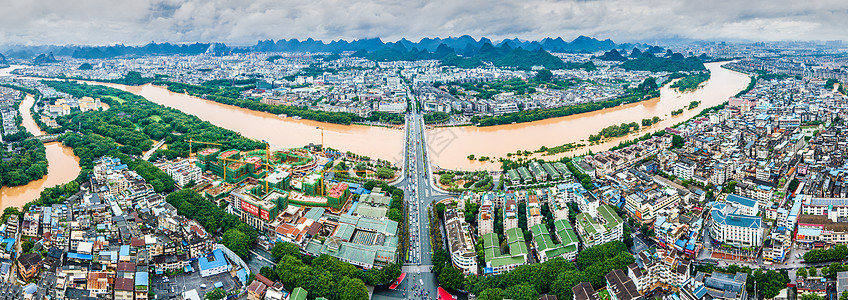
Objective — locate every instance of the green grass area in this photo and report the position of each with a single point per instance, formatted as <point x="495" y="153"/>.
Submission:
<point x="121" y="101"/>
<point x="604" y="295"/>
<point x="156" y="118"/>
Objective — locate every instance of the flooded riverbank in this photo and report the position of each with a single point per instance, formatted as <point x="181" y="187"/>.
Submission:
<point x="449" y="147"/>
<point x="63" y="165"/>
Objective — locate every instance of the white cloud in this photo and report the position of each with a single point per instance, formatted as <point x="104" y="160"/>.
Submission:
<point x="243" y="22"/>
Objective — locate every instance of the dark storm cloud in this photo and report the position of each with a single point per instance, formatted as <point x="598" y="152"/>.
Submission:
<point x="244" y="22"/>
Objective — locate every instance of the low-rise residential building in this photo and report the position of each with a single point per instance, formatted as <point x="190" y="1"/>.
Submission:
<point x="486" y="217"/>
<point x="735" y="229"/>
<point x="213" y="264"/>
<point x="547" y="249"/>
<point x="620" y="287"/>
<point x="606" y="228"/>
<point x="658" y="269"/>
<point x="460" y="242"/>
<point x="497" y="262"/>
<point x="717" y="286"/>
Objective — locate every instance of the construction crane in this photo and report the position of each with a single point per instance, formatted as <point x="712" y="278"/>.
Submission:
<point x="190" y="142"/>
<point x="267" y="166"/>
<point x="322" y="138"/>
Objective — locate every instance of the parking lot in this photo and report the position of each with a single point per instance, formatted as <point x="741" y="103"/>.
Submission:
<point x="178" y="283"/>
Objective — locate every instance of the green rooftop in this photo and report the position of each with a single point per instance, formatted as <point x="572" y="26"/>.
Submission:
<point x="506" y="260"/>
<point x="545" y="244"/>
<point x="612" y="219"/>
<point x="565" y="232"/>
<point x="514" y="235"/>
<point x="587" y="223"/>
<point x="490" y="240"/>
<point x="298" y="294"/>
<point x="517" y="248"/>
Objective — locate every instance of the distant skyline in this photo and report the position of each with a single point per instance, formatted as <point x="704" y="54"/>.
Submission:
<point x="240" y="23"/>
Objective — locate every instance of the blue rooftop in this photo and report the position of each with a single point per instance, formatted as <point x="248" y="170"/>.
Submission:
<point x="125" y="250"/>
<point x="74" y="255"/>
<point x="731" y="219"/>
<point x="741" y="200"/>
<point x="700" y="291"/>
<point x="808" y="232"/>
<point x="242" y="275"/>
<point x="10" y="244"/>
<point x="109" y="255"/>
<point x="218" y="260"/>
<point x="141" y="279"/>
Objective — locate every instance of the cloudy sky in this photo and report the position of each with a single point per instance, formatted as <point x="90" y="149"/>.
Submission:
<point x="243" y="22"/>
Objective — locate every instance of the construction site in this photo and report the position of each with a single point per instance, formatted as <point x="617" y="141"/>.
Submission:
<point x="268" y="181"/>
<point x="313" y="198"/>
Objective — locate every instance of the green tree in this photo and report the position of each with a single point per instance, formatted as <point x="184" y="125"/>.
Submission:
<point x="269" y="273"/>
<point x="811" y="296"/>
<point x="446" y="178"/>
<point x="391" y="272"/>
<point x="385" y="173"/>
<point x="491" y="294"/>
<point x="9" y="211"/>
<point x="520" y="292"/>
<point x="395" y="215"/>
<point x="564" y="282"/>
<point x="237" y="241"/>
<point x="216" y="294"/>
<point x="770" y="282"/>
<point x="319" y="282"/>
<point x="802" y="272"/>
<point x="26" y="246"/>
<point x="544" y="75"/>
<point x="187" y="209"/>
<point x="289" y="270"/>
<point x="350" y="289"/>
<point x="284" y="248"/>
<point x="440" y="209"/>
<point x="452" y="278"/>
<point x="812" y="271"/>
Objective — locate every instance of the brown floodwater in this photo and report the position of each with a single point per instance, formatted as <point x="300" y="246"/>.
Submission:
<point x="26" y="115"/>
<point x="63" y="166"/>
<point x="372" y="141"/>
<point x="450" y="146"/>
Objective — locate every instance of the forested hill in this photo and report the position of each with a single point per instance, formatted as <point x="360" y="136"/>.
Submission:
<point x="653" y="60"/>
<point x="502" y="56"/>
<point x="464" y="45"/>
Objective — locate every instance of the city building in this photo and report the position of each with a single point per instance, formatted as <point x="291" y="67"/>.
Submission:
<point x="213" y="264"/>
<point x="735" y="229"/>
<point x="606" y="228"/>
<point x="460" y="242"/>
<point x="717" y="286"/>
<point x="620" y="287"/>
<point x="498" y="262"/>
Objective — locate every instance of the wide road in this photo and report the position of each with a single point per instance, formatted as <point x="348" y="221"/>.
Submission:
<point x="420" y="194"/>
